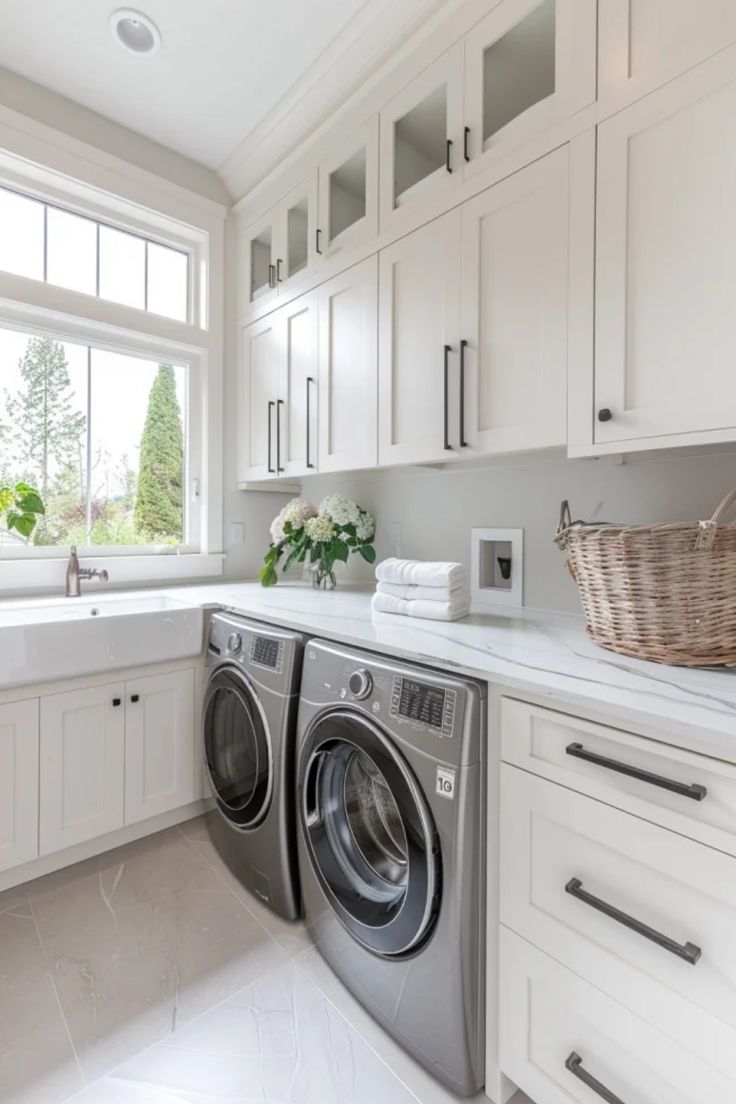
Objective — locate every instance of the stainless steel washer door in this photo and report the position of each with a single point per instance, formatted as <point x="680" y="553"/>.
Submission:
<point x="237" y="748"/>
<point x="370" y="835"/>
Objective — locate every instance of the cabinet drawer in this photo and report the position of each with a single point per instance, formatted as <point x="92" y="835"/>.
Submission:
<point x="642" y="913"/>
<point x="553" y="1019"/>
<point x="689" y="793"/>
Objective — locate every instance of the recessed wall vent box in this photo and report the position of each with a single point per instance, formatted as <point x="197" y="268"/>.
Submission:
<point x="496" y="568"/>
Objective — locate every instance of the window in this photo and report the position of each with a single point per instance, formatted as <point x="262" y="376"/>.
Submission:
<point x="104" y="437"/>
<point x="44" y="242"/>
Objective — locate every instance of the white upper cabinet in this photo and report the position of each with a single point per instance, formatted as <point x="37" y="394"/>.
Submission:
<point x="665" y="325"/>
<point x="159" y="744"/>
<point x="18" y="783"/>
<point x="82" y="765"/>
<point x="422" y="136"/>
<point x="528" y="65"/>
<point x="348" y="369"/>
<point x="259" y="392"/>
<point x="514" y="310"/>
<point x="298" y="333"/>
<point x="644" y="43"/>
<point x="348" y="193"/>
<point x="419" y="312"/>
<point x="280" y="249"/>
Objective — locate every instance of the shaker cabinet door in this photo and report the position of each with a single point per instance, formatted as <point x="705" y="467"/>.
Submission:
<point x="515" y="301"/>
<point x="260" y="383"/>
<point x="665" y="327"/>
<point x="18" y="783"/>
<point x="159" y="744"/>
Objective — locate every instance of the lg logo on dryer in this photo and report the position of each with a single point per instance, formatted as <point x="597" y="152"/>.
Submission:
<point x="445" y="785"/>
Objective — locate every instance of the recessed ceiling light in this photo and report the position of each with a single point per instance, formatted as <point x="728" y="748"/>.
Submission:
<point x="135" y="31"/>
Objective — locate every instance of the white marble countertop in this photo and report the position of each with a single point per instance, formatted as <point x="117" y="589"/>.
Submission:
<point x="536" y="652"/>
<point x="546" y="654"/>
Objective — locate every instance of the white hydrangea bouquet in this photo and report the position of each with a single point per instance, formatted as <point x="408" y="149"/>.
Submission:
<point x="319" y="537"/>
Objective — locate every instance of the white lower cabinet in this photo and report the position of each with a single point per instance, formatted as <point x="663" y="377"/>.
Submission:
<point x="159" y="743"/>
<point x="18" y="783"/>
<point x="82" y="765"/>
<point x="110" y="755"/>
<point x="565" y="1042"/>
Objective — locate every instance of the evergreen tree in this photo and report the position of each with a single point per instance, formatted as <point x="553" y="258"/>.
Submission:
<point x="158" y="508"/>
<point x="47" y="429"/>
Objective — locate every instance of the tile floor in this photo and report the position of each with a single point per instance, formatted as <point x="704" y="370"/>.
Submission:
<point x="149" y="976"/>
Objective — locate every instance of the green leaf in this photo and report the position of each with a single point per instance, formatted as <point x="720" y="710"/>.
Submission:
<point x="23" y="523"/>
<point x="368" y="553"/>
<point x="339" y="550"/>
<point x="268" y="576"/>
<point x="30" y="503"/>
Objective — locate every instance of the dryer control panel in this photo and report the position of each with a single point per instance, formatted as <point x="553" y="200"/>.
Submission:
<point x="424" y="702"/>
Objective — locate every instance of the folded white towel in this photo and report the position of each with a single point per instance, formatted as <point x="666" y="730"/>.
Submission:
<point x="427" y="593"/>
<point x="434" y="611"/>
<point x="419" y="573"/>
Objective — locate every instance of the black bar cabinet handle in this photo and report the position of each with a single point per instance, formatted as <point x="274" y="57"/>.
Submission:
<point x="135" y="698"/>
<point x="279" y="263"/>
<point x="279" y="404"/>
<point x="448" y="350"/>
<point x="310" y="380"/>
<point x="270" y="408"/>
<point x="574" y="1063"/>
<point x="687" y="951"/>
<point x="272" y="276"/>
<point x="448" y="155"/>
<point x="693" y="790"/>
<point x="463" y="347"/>
<point x="317" y="236"/>
<point x="466" y="136"/>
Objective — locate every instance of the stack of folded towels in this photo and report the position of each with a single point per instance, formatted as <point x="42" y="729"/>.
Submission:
<point x="416" y="589"/>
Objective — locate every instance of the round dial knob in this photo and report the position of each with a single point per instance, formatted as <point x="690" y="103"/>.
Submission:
<point x="234" y="643"/>
<point x="360" y="684"/>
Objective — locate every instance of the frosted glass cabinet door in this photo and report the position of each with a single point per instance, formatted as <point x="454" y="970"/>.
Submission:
<point x="260" y="384"/>
<point x="348" y="193"/>
<point x="419" y="322"/>
<point x="515" y="299"/>
<point x="159" y="744"/>
<point x="18" y="783"/>
<point x="297" y="225"/>
<point x="348" y="369"/>
<point x="665" y="330"/>
<point x="528" y="64"/>
<point x="422" y="137"/>
<point x="82" y="765"/>
<point x="644" y="43"/>
<point x="258" y="255"/>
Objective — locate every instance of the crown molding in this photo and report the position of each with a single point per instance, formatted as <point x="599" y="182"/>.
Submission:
<point x="344" y="71"/>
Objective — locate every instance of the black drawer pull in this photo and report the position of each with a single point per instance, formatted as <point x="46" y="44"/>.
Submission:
<point x="446" y="399"/>
<point x="574" y="1063"/>
<point x="463" y="347"/>
<point x="448" y="155"/>
<point x="271" y="405"/>
<point x="116" y="702"/>
<point x="466" y="136"/>
<point x="687" y="951"/>
<point x="692" y="790"/>
<point x="317" y="237"/>
<point x="135" y="698"/>
<point x="279" y="404"/>
<point x="310" y="380"/>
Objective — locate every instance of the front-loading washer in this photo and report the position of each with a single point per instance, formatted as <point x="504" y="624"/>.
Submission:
<point x="248" y="729"/>
<point x="389" y="793"/>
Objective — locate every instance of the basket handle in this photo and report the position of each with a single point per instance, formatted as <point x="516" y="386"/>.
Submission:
<point x="566" y="518"/>
<point x="708" y="529"/>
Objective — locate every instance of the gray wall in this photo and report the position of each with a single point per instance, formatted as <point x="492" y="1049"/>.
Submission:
<point x="437" y="509"/>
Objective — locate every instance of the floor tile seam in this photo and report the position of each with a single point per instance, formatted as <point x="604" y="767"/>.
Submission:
<point x="57" y="996"/>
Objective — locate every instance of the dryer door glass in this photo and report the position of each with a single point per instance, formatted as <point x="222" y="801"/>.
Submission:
<point x="371" y="837"/>
<point x="237" y="748"/>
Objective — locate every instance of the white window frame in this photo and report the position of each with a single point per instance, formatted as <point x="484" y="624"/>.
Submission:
<point x="38" y="307"/>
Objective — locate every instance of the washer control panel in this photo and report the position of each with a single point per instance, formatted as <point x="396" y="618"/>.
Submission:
<point x="266" y="652"/>
<point x="360" y="683"/>
<point x="424" y="703"/>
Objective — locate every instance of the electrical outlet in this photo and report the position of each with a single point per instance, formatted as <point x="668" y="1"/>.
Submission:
<point x="395" y="539"/>
<point x="237" y="532"/>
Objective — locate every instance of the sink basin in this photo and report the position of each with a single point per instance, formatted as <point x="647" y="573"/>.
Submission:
<point x="66" y="638"/>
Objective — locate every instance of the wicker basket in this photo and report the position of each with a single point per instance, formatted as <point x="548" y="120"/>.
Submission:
<point x="660" y="592"/>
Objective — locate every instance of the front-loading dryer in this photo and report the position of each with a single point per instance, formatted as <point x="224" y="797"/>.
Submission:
<point x="389" y="793"/>
<point x="248" y="728"/>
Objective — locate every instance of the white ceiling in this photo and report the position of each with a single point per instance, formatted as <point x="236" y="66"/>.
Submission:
<point x="223" y="65"/>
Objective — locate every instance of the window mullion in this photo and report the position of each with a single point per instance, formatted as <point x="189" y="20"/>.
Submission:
<point x="45" y="243"/>
<point x="88" y="504"/>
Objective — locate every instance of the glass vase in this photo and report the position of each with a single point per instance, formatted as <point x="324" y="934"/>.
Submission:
<point x="321" y="579"/>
